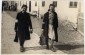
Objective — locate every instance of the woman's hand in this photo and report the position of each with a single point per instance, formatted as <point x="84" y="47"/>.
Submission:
<point x="31" y="30"/>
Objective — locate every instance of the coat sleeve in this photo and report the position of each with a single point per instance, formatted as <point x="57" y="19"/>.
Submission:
<point x="16" y="22"/>
<point x="30" y="23"/>
<point x="43" y="24"/>
<point x="56" y="19"/>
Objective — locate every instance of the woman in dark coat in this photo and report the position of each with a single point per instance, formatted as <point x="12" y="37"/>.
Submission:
<point x="50" y="20"/>
<point x="22" y="27"/>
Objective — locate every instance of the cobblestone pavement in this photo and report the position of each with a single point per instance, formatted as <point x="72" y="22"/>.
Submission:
<point x="70" y="41"/>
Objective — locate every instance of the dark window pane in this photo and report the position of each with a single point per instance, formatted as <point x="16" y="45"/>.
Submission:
<point x="75" y="4"/>
<point x="43" y="3"/>
<point x="12" y="2"/>
<point x="35" y="3"/>
<point x="55" y="3"/>
<point x="29" y="6"/>
<point x="71" y="4"/>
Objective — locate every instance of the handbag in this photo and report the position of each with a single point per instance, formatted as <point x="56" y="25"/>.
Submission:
<point x="42" y="39"/>
<point x="16" y="38"/>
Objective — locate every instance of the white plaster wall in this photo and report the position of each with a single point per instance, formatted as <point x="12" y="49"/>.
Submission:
<point x="33" y="7"/>
<point x="62" y="9"/>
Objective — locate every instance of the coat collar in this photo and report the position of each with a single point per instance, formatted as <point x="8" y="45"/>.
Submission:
<point x="48" y="12"/>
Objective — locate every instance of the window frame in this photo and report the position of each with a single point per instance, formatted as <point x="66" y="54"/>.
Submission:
<point x="55" y="3"/>
<point x="36" y="3"/>
<point x="43" y="3"/>
<point x="73" y="4"/>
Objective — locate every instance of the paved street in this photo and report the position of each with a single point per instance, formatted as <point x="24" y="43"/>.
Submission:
<point x="70" y="41"/>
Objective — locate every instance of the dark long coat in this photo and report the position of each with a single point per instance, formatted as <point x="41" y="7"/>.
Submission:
<point x="23" y="25"/>
<point x="45" y="26"/>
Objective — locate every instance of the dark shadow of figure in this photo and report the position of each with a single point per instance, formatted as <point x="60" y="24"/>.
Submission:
<point x="70" y="49"/>
<point x="67" y="48"/>
<point x="35" y="48"/>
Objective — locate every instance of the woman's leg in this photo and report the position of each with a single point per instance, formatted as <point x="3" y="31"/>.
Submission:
<point x="22" y="49"/>
<point x="52" y="44"/>
<point x="56" y="35"/>
<point x="21" y="41"/>
<point x="47" y="43"/>
<point x="53" y="39"/>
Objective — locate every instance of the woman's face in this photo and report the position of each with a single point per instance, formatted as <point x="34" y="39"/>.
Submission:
<point x="51" y="8"/>
<point x="24" y="9"/>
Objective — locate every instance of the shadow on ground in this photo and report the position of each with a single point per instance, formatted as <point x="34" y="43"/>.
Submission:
<point x="35" y="48"/>
<point x="69" y="49"/>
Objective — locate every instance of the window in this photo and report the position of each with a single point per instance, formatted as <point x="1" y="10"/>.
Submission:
<point x="29" y="6"/>
<point x="12" y="2"/>
<point x="35" y="3"/>
<point x="73" y="4"/>
<point x="55" y="3"/>
<point x="43" y="3"/>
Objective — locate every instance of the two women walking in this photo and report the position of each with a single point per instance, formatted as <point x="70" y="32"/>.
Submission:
<point x="23" y="26"/>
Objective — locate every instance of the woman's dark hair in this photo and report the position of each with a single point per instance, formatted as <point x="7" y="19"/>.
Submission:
<point x="24" y="6"/>
<point x="51" y="5"/>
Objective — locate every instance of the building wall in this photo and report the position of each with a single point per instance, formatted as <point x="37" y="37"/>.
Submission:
<point x="81" y="25"/>
<point x="63" y="10"/>
<point x="81" y="19"/>
<point x="67" y="13"/>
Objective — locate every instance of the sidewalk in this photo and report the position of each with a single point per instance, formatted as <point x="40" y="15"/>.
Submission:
<point x="9" y="47"/>
<point x="70" y="42"/>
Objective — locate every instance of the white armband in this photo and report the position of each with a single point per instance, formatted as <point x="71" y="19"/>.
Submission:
<point x="42" y="22"/>
<point x="16" y="20"/>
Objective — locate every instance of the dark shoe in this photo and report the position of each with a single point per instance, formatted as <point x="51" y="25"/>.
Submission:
<point x="15" y="40"/>
<point x="52" y="49"/>
<point x="22" y="49"/>
<point x="49" y="38"/>
<point x="55" y="40"/>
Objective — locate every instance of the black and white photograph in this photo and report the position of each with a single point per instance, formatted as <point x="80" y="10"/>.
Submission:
<point x="42" y="27"/>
